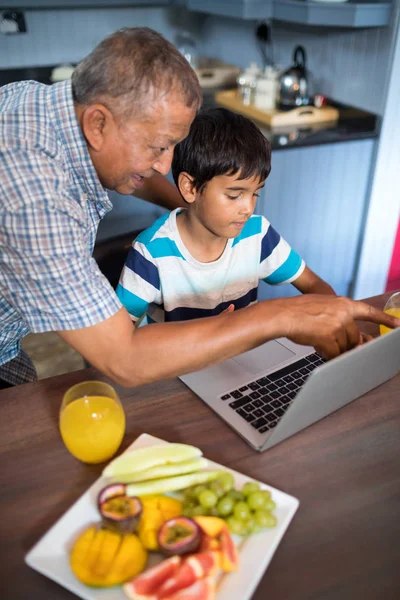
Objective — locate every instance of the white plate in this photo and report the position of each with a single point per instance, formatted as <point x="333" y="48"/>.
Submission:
<point x="50" y="555"/>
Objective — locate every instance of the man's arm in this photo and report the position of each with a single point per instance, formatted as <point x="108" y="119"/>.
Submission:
<point x="134" y="357"/>
<point x="310" y="283"/>
<point x="159" y="190"/>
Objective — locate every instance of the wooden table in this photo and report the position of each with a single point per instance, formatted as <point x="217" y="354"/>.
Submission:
<point x="344" y="541"/>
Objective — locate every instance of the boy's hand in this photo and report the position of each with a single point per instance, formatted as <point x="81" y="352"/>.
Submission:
<point x="230" y="308"/>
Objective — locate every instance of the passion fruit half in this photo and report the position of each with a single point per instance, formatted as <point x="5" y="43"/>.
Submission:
<point x="121" y="513"/>
<point x="180" y="535"/>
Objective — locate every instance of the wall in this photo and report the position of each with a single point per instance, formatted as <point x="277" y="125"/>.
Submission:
<point x="348" y="65"/>
<point x="67" y="35"/>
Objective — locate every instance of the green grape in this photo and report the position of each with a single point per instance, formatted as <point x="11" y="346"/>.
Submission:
<point x="187" y="511"/>
<point x="227" y="480"/>
<point x="250" y="524"/>
<point x="234" y="525"/>
<point x="207" y="498"/>
<point x="198" y="489"/>
<point x="188" y="493"/>
<point x="250" y="487"/>
<point x="189" y="503"/>
<point x="264" y="519"/>
<point x="225" y="506"/>
<point x="269" y="505"/>
<point x="241" y="511"/>
<point x="217" y="487"/>
<point x="266" y="494"/>
<point x="199" y="511"/>
<point x="255" y="500"/>
<point x="214" y="512"/>
<point x="235" y="495"/>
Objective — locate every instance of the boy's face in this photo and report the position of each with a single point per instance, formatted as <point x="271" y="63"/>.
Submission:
<point x="226" y="204"/>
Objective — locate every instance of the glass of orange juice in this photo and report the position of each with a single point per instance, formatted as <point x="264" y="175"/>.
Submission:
<point x="92" y="421"/>
<point x="392" y="307"/>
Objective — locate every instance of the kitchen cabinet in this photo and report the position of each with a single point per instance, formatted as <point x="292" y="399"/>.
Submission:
<point x="29" y="4"/>
<point x="340" y="14"/>
<point x="243" y="9"/>
<point x="315" y="197"/>
<point x="351" y="14"/>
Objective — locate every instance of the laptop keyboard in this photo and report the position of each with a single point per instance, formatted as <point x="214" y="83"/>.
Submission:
<point x="264" y="401"/>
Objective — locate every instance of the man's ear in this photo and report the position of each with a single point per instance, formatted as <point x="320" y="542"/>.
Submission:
<point x="96" y="120"/>
<point x="186" y="187"/>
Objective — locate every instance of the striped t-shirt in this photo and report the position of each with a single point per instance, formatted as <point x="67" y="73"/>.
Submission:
<point x="162" y="279"/>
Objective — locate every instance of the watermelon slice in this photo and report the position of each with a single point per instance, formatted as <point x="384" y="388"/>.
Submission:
<point x="145" y="586"/>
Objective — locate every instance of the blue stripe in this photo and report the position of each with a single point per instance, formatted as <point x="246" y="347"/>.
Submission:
<point x="143" y="267"/>
<point x="134" y="305"/>
<point x="185" y="313"/>
<point x="252" y="227"/>
<point x="146" y="236"/>
<point x="269" y="243"/>
<point x="285" y="271"/>
<point x="162" y="247"/>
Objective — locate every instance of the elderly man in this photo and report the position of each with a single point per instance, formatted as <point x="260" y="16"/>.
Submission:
<point x="114" y="126"/>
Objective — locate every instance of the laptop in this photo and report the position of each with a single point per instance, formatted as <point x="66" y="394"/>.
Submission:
<point x="271" y="392"/>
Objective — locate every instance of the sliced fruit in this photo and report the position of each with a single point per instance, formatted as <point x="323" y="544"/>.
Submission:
<point x="121" y="513"/>
<point x="212" y="526"/>
<point x="146" y="584"/>
<point x="193" y="568"/>
<point x="146" y="458"/>
<point x="179" y="536"/>
<point x="110" y="491"/>
<point x="156" y="510"/>
<point x="167" y="470"/>
<point x="102" y="558"/>
<point x="203" y="589"/>
<point x="228" y="552"/>
<point x="169" y="484"/>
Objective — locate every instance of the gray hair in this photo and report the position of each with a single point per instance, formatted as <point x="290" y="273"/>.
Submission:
<point x="134" y="66"/>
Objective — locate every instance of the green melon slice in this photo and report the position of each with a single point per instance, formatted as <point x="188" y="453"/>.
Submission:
<point x="146" y="458"/>
<point x="168" y="470"/>
<point x="170" y="484"/>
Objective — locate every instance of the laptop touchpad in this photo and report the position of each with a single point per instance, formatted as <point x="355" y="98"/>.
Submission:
<point x="264" y="357"/>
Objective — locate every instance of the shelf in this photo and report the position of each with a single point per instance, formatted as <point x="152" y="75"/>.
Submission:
<point x="242" y="9"/>
<point x="328" y="14"/>
<point x="37" y="4"/>
<point x="333" y="14"/>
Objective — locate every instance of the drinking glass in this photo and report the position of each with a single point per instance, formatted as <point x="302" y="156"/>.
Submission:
<point x="92" y="421"/>
<point x="392" y="307"/>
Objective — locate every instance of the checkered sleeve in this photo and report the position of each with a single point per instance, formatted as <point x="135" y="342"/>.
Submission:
<point x="48" y="274"/>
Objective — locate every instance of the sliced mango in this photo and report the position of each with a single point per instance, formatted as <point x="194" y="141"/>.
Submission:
<point x="102" y="558"/>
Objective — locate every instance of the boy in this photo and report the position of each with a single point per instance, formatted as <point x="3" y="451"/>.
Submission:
<point x="205" y="259"/>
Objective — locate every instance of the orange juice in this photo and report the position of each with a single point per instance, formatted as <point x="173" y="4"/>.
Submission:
<point x="390" y="311"/>
<point x="92" y="427"/>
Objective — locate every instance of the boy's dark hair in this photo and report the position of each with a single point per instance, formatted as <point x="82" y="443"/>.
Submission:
<point x="221" y="142"/>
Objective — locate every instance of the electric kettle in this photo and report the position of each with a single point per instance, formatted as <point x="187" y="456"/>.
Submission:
<point x="293" y="86"/>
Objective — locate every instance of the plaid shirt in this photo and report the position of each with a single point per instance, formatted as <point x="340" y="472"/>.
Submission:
<point x="51" y="202"/>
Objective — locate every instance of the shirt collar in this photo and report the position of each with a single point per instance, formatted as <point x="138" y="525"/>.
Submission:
<point x="72" y="137"/>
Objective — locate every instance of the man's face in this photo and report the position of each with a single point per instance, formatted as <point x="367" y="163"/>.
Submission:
<point x="134" y="149"/>
<point x="226" y="204"/>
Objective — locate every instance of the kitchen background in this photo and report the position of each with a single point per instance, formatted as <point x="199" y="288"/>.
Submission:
<point x="336" y="203"/>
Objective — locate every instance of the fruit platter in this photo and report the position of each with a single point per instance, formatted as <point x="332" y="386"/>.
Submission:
<point x="165" y="523"/>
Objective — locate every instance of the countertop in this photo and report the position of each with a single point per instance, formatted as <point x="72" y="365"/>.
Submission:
<point x="353" y="124"/>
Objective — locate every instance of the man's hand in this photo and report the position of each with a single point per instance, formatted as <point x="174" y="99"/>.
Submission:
<point x="134" y="356"/>
<point x="328" y="323"/>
